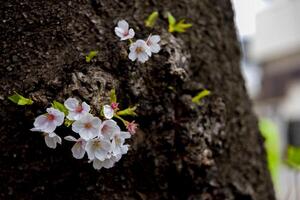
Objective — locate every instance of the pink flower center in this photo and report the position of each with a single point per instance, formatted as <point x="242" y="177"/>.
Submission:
<point x="126" y="33"/>
<point x="79" y="109"/>
<point x="50" y="117"/>
<point x="88" y="125"/>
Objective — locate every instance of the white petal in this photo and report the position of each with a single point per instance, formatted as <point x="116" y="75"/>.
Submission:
<point x="96" y="122"/>
<point x="131" y="33"/>
<point x="154" y="39"/>
<point x="142" y="57"/>
<point x="124" y="149"/>
<point x="88" y="117"/>
<point x="109" y="128"/>
<point x="106" y="145"/>
<point x="59" y="116"/>
<point x="140" y="43"/>
<point x="71" y="104"/>
<point x="133" y="47"/>
<point x="52" y="139"/>
<point x="89" y="150"/>
<point x="86" y="108"/>
<point x="132" y="56"/>
<point x="119" y="32"/>
<point x="36" y="130"/>
<point x="101" y="154"/>
<point x="155" y="48"/>
<point x="78" y="150"/>
<point x="148" y="51"/>
<point x="49" y="127"/>
<point x="125" y="135"/>
<point x="77" y="126"/>
<point x="123" y="25"/>
<point x="88" y="134"/>
<point x="108" y="112"/>
<point x="74" y="115"/>
<point x="59" y="119"/>
<point x="40" y="122"/>
<point x="97" y="164"/>
<point x="108" y="163"/>
<point x="70" y="138"/>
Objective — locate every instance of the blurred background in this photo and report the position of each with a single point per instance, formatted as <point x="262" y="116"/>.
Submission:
<point x="269" y="32"/>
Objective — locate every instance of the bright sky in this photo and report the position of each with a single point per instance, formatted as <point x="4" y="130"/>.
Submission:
<point x="246" y="11"/>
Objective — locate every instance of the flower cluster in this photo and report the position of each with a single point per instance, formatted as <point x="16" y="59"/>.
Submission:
<point x="140" y="50"/>
<point x="102" y="140"/>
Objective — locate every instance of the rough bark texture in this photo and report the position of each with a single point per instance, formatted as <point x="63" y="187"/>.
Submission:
<point x="182" y="151"/>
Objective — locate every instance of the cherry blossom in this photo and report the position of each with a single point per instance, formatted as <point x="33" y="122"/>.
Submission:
<point x="78" y="149"/>
<point x="48" y="122"/>
<point x="118" y="146"/>
<point x="98" y="149"/>
<point x="139" y="50"/>
<point x="123" y="31"/>
<point x="152" y="42"/>
<point x="76" y="110"/>
<point x="108" y="128"/>
<point x="87" y="126"/>
<point x="107" y="163"/>
<point x="51" y="140"/>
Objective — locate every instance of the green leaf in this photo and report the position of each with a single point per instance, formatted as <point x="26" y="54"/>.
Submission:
<point x="272" y="145"/>
<point x="20" y="100"/>
<point x="91" y="55"/>
<point x="179" y="27"/>
<point x="60" y="107"/>
<point x="196" y="99"/>
<point x="293" y="157"/>
<point x="68" y="122"/>
<point x="151" y="19"/>
<point x="113" y="96"/>
<point x="128" y="111"/>
<point x="171" y="19"/>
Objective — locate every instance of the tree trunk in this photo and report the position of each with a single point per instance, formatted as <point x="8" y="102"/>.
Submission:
<point x="181" y="151"/>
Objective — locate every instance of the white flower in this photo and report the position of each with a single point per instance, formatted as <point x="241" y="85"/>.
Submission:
<point x="118" y="146"/>
<point x="98" y="149"/>
<point x="51" y="140"/>
<point x="108" y="111"/>
<point x="87" y="127"/>
<point x="139" y="50"/>
<point x="152" y="42"/>
<point x="107" y="163"/>
<point x="123" y="31"/>
<point x="108" y="128"/>
<point x="48" y="122"/>
<point x="76" y="111"/>
<point x="78" y="149"/>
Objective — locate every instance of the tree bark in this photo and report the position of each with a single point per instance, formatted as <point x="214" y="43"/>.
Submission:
<point x="181" y="151"/>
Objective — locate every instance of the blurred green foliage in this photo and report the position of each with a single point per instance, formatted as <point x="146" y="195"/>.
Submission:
<point x="293" y="157"/>
<point x="151" y="19"/>
<point x="272" y="144"/>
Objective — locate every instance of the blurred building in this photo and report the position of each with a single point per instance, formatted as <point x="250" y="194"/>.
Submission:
<point x="275" y="48"/>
